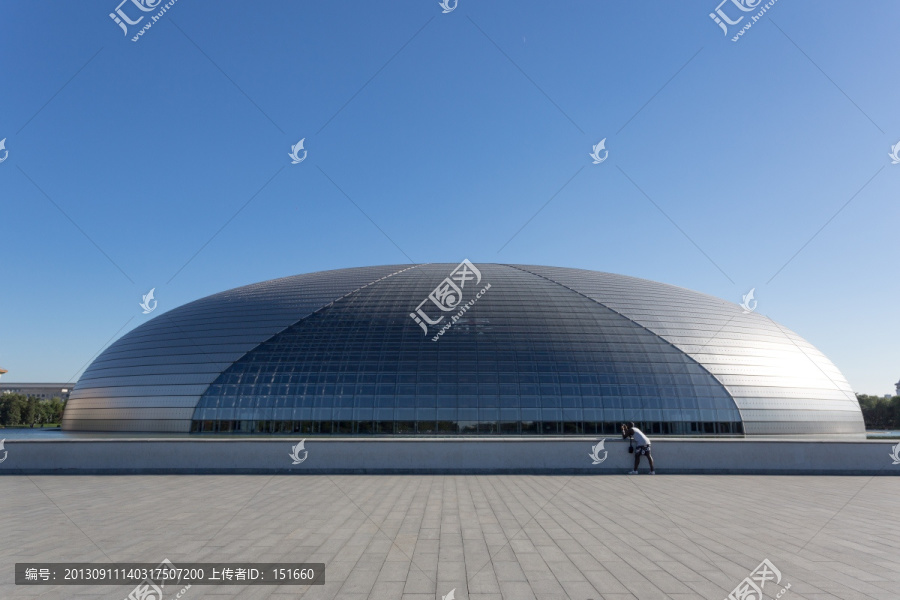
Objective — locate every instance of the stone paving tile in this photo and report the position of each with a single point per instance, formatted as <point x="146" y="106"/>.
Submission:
<point x="489" y="537"/>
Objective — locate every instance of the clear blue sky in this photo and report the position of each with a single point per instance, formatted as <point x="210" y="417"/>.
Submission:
<point x="450" y="131"/>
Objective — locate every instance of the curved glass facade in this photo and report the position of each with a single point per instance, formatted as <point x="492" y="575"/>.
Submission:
<point x="782" y="384"/>
<point x="530" y="356"/>
<point x="447" y="349"/>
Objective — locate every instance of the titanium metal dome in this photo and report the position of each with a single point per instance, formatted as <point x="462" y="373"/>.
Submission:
<point x="442" y="349"/>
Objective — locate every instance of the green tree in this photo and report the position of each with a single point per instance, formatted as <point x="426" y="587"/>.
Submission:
<point x="55" y="409"/>
<point x="43" y="412"/>
<point x="18" y="410"/>
<point x="11" y="408"/>
<point x="879" y="412"/>
<point x="29" y="415"/>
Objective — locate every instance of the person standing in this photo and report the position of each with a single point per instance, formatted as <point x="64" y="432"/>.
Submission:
<point x="641" y="449"/>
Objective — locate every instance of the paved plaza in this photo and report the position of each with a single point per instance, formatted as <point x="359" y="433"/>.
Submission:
<point x="515" y="537"/>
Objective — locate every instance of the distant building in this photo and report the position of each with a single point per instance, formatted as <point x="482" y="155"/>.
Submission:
<point x="38" y="390"/>
<point x="897" y="386"/>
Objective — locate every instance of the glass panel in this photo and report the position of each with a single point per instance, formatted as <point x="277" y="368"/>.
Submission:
<point x="535" y="359"/>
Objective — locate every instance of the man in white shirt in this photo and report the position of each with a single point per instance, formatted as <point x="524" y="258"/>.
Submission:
<point x="642" y="448"/>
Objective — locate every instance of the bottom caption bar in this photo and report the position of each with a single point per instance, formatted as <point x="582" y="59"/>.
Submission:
<point x="156" y="576"/>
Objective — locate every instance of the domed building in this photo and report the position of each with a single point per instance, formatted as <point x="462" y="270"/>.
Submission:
<point x="447" y="349"/>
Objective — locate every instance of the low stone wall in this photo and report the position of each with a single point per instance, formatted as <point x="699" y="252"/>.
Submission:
<point x="454" y="455"/>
